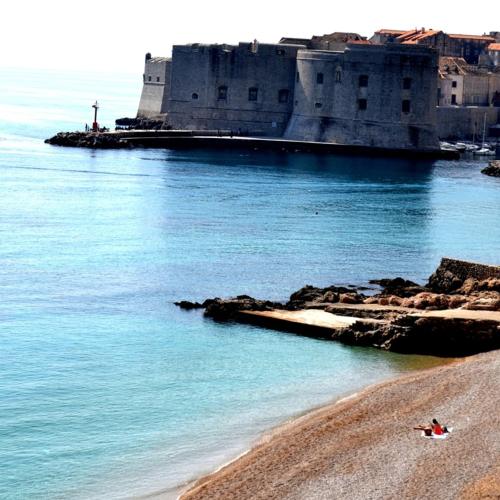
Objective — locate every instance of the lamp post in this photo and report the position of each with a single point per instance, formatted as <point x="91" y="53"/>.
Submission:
<point x="95" y="125"/>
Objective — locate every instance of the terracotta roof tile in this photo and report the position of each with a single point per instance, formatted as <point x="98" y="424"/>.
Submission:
<point x="494" y="46"/>
<point x="484" y="38"/>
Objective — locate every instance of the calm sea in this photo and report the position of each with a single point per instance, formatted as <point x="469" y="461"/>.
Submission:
<point x="106" y="388"/>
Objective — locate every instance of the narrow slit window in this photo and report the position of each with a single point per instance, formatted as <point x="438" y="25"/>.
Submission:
<point x="406" y="83"/>
<point x="320" y="78"/>
<point x="283" y="95"/>
<point x="363" y="80"/>
<point x="362" y="104"/>
<point x="253" y="94"/>
<point x="406" y="106"/>
<point x="222" y="93"/>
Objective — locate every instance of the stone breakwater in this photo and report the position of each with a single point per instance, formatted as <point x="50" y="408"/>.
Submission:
<point x="493" y="169"/>
<point x="457" y="313"/>
<point x="96" y="140"/>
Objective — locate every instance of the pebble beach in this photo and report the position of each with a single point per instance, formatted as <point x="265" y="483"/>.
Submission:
<point x="365" y="446"/>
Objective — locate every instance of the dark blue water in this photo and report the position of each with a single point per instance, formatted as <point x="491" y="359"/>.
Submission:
<point x="106" y="388"/>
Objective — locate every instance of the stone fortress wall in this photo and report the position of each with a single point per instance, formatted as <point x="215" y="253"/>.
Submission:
<point x="382" y="96"/>
<point x="156" y="87"/>
<point x="246" y="88"/>
<point x="368" y="95"/>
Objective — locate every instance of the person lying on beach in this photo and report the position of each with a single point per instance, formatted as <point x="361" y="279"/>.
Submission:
<point x="435" y="428"/>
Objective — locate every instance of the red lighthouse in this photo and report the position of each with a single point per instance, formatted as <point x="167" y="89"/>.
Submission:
<point x="95" y="125"/>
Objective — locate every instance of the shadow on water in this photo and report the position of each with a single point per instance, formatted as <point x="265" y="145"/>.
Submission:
<point x="363" y="168"/>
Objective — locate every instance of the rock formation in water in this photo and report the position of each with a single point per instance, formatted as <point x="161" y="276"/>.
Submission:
<point x="493" y="169"/>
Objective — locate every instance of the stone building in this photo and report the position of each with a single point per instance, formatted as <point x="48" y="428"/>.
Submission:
<point x="469" y="47"/>
<point x="373" y="95"/>
<point x="246" y="88"/>
<point x="462" y="84"/>
<point x="368" y="95"/>
<point x="156" y="87"/>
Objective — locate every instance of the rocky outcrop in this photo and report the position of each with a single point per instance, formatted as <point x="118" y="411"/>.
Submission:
<point x="493" y="169"/>
<point x="228" y="309"/>
<point x="95" y="140"/>
<point x="425" y="335"/>
<point x="396" y="325"/>
<point x="452" y="273"/>
<point x="398" y="287"/>
<point x="328" y="295"/>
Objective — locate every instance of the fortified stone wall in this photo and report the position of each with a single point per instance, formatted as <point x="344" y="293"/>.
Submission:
<point x="451" y="274"/>
<point x="465" y="122"/>
<point x="381" y="96"/>
<point x="156" y="88"/>
<point x="246" y="88"/>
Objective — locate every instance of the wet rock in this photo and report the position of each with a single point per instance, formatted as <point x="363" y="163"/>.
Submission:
<point x="425" y="335"/>
<point x="186" y="304"/>
<point x="227" y="309"/>
<point x="399" y="287"/>
<point x="493" y="169"/>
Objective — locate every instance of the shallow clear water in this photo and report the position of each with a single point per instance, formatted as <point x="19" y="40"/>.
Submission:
<point x="106" y="388"/>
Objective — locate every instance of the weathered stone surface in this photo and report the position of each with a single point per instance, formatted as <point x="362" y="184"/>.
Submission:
<point x="493" y="169"/>
<point x="94" y="140"/>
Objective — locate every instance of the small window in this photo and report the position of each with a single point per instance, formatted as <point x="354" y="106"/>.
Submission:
<point x="405" y="106"/>
<point x="363" y="80"/>
<point x="362" y="104"/>
<point x="319" y="78"/>
<point x="194" y="96"/>
<point x="157" y="78"/>
<point x="149" y="78"/>
<point x="297" y="77"/>
<point x="253" y="93"/>
<point x="280" y="52"/>
<point x="283" y="95"/>
<point x="318" y="105"/>
<point x="454" y="84"/>
<point x="296" y="103"/>
<point x="222" y="93"/>
<point x="407" y="83"/>
<point x="338" y="76"/>
<point x="453" y="99"/>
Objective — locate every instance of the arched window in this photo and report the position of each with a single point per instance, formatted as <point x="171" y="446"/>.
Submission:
<point x="194" y="96"/>
<point x="338" y="75"/>
<point x="319" y="78"/>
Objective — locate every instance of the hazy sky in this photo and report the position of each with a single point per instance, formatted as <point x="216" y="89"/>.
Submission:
<point x="115" y="34"/>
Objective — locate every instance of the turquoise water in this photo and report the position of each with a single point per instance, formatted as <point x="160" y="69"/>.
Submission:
<point x="106" y="388"/>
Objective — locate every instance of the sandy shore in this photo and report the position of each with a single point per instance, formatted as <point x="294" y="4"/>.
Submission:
<point x="365" y="447"/>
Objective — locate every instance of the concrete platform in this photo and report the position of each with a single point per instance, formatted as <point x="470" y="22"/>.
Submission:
<point x="175" y="139"/>
<point x="309" y="322"/>
<point x="317" y="323"/>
